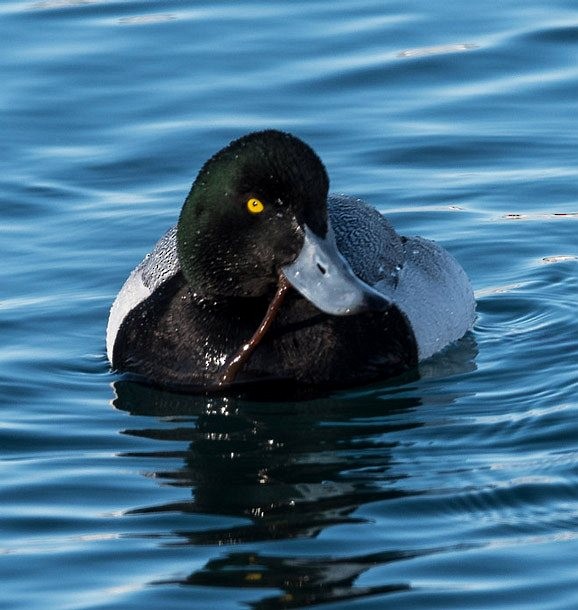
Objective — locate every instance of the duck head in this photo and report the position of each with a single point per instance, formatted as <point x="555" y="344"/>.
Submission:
<point x="256" y="215"/>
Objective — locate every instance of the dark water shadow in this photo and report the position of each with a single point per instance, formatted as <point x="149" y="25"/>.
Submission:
<point x="288" y="469"/>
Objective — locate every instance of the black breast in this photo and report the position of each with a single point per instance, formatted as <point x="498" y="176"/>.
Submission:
<point x="175" y="339"/>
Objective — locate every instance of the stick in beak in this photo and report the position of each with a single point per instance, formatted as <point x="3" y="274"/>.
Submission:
<point x="244" y="353"/>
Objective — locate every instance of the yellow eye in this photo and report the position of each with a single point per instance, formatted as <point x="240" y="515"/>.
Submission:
<point x="255" y="206"/>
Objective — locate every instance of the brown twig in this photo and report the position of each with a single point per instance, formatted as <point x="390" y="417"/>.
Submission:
<point x="244" y="353"/>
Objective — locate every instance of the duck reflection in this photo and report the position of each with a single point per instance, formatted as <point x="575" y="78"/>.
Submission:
<point x="288" y="470"/>
<point x="284" y="466"/>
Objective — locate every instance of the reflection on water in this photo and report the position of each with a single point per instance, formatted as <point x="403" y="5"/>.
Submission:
<point x="290" y="469"/>
<point x="304" y="581"/>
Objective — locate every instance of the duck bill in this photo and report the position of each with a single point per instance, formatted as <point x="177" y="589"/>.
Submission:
<point x="323" y="276"/>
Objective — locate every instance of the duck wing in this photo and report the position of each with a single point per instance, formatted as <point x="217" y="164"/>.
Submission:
<point x="422" y="279"/>
<point x="367" y="240"/>
<point x="157" y="267"/>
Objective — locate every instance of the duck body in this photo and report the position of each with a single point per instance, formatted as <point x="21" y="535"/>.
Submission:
<point x="174" y="331"/>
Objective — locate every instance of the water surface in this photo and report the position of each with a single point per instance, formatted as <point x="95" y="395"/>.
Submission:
<point x="452" y="487"/>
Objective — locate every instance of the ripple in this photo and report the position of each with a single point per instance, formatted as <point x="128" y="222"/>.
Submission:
<point x="559" y="258"/>
<point x="438" y="50"/>
<point x="62" y="4"/>
<point x="557" y="34"/>
<point x="147" y="19"/>
<point x="541" y="216"/>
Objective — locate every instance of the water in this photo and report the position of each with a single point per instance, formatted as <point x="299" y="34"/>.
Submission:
<point x="453" y="488"/>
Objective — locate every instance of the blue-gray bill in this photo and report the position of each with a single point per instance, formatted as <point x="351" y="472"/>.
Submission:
<point x="323" y="276"/>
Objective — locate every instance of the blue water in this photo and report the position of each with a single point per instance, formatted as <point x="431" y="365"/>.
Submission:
<point x="452" y="487"/>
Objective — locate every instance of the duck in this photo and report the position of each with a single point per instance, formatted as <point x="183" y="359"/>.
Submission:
<point x="267" y="277"/>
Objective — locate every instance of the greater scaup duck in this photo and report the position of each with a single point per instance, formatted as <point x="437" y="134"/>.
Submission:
<point x="266" y="277"/>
